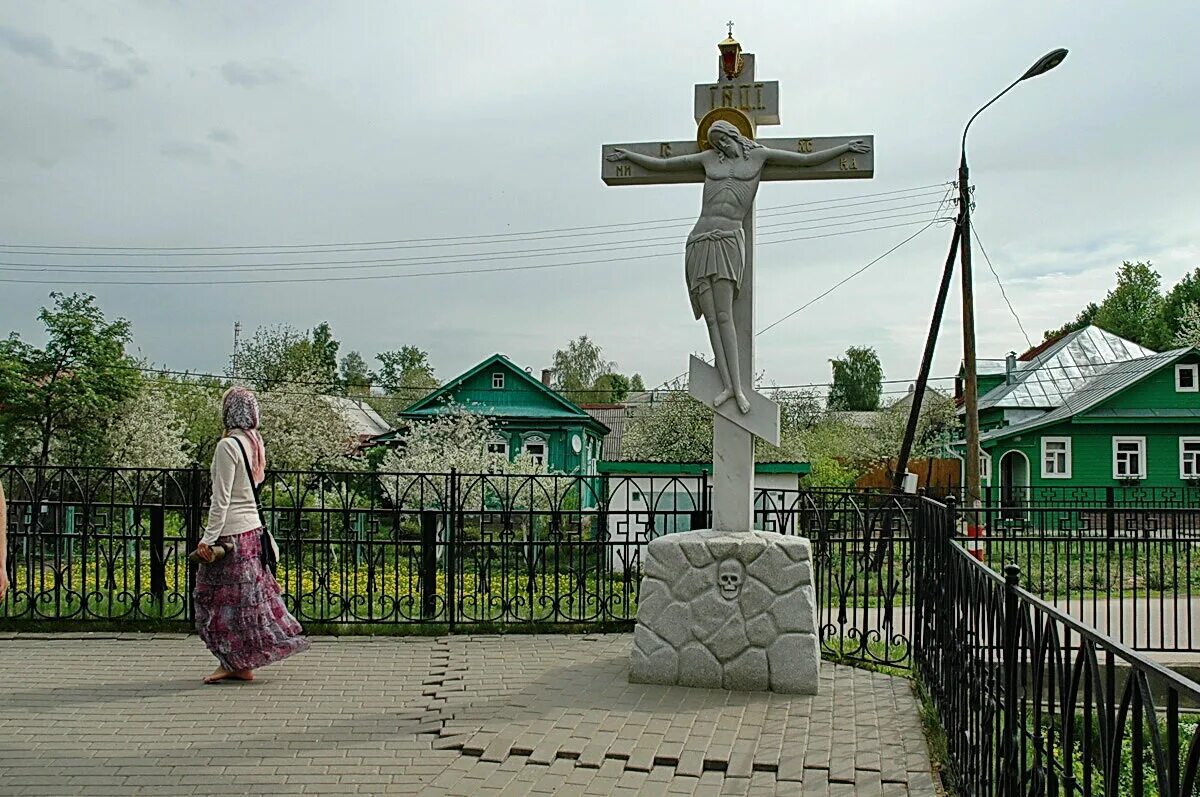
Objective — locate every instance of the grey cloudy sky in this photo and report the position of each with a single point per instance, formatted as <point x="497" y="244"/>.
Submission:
<point x="161" y="124"/>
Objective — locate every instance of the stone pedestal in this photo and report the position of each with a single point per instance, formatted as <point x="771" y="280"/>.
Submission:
<point x="728" y="610"/>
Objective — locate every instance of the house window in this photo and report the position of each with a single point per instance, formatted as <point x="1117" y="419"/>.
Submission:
<point x="535" y="447"/>
<point x="1129" y="457"/>
<point x="497" y="381"/>
<point x="498" y="447"/>
<point x="1056" y="457"/>
<point x="1189" y="457"/>
<point x="1187" y="379"/>
<point x="985" y="467"/>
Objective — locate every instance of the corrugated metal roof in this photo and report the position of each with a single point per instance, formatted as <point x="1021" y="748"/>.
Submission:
<point x="1056" y="374"/>
<point x="1104" y="384"/>
<point x="360" y="416"/>
<point x="613" y="416"/>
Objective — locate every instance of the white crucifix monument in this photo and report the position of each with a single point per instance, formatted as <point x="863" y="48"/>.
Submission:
<point x="730" y="607"/>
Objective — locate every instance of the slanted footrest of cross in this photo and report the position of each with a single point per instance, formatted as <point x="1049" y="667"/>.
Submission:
<point x="704" y="384"/>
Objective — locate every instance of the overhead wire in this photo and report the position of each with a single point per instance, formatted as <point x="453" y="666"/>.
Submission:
<point x="1003" y="292"/>
<point x="159" y="250"/>
<point x="451" y="259"/>
<point x="455" y="272"/>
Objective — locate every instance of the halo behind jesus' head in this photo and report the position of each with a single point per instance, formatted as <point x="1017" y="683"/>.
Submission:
<point x="730" y="131"/>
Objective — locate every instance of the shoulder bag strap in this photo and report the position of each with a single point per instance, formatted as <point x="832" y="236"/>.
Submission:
<point x="250" y="477"/>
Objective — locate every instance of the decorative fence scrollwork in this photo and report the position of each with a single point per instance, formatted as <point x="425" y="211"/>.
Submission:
<point x="455" y="550"/>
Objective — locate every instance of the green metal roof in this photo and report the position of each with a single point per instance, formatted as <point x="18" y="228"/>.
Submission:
<point x="555" y="407"/>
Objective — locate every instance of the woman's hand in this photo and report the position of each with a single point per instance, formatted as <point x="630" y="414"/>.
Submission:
<point x="206" y="552"/>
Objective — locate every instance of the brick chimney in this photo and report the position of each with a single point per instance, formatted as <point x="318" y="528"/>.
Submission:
<point x="546" y="373"/>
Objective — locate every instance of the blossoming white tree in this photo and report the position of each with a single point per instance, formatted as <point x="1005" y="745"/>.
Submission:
<point x="147" y="432"/>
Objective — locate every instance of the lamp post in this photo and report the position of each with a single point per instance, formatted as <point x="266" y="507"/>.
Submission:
<point x="971" y="388"/>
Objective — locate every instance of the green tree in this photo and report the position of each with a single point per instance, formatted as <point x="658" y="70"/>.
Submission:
<point x="611" y="388"/>
<point x="1131" y="310"/>
<point x="1085" y="319"/>
<point x="406" y="370"/>
<point x="59" y="399"/>
<point x="324" y="353"/>
<point x="196" y="401"/>
<point x="636" y="385"/>
<point x="1175" y="306"/>
<point x="857" y="380"/>
<point x="276" y="356"/>
<point x="577" y="369"/>
<point x="356" y="376"/>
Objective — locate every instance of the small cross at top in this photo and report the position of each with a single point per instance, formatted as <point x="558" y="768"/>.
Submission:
<point x="730" y="24"/>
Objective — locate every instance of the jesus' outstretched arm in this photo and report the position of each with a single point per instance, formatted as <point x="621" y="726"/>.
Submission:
<point x="785" y="158"/>
<point x="679" y="163"/>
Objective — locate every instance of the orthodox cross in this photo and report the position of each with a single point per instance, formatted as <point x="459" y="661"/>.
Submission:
<point x="719" y="261"/>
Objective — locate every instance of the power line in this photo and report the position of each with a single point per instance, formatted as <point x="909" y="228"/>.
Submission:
<point x="1004" y="293"/>
<point x="452" y="259"/>
<point x="364" y="277"/>
<point x="248" y="247"/>
<point x="841" y="282"/>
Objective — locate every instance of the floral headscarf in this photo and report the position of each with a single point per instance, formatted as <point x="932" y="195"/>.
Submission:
<point x="239" y="411"/>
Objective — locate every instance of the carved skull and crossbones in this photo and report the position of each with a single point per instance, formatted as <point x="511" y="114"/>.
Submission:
<point x="730" y="575"/>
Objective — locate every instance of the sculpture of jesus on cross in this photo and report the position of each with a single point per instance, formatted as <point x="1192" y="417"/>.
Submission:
<point x="731" y="161"/>
<point x="716" y="248"/>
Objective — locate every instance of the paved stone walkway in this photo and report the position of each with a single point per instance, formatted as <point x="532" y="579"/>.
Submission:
<point x="126" y="715"/>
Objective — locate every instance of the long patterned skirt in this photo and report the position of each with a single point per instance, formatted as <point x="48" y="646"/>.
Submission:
<point x="240" y="614"/>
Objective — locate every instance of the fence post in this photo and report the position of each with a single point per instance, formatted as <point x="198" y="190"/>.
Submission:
<point x="429" y="525"/>
<point x="158" y="564"/>
<point x="451" y="538"/>
<point x="1110" y="517"/>
<point x="1011" y="783"/>
<point x="193" y="534"/>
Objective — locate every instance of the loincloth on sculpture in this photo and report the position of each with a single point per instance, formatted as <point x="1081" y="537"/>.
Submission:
<point x="711" y="256"/>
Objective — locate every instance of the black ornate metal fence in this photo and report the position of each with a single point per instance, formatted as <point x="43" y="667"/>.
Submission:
<point x="1131" y="570"/>
<point x="1033" y="701"/>
<point x="448" y="550"/>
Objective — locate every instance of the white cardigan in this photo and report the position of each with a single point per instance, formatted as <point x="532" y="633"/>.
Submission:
<point x="233" y="509"/>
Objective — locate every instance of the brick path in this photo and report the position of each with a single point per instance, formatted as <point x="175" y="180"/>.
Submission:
<point x="125" y="714"/>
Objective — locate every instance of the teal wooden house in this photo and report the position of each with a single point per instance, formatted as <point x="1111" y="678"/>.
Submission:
<point x="1090" y="409"/>
<point x="530" y="417"/>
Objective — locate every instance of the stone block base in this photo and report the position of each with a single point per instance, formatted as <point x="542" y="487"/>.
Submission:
<point x="728" y="610"/>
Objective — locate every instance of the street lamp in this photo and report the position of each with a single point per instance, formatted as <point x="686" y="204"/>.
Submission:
<point x="971" y="388"/>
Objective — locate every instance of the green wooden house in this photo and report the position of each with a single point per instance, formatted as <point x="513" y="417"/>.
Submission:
<point x="530" y="417"/>
<point x="1090" y="409"/>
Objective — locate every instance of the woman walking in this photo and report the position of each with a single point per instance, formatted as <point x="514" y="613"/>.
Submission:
<point x="240" y="614"/>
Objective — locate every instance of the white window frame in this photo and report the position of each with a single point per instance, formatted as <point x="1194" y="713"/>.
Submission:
<point x="985" y="467"/>
<point x="1195" y="474"/>
<point x="536" y="440"/>
<point x="1141" y="442"/>
<point x="1194" y="370"/>
<point x="498" y="381"/>
<point x="1066" y="474"/>
<point x="497" y="441"/>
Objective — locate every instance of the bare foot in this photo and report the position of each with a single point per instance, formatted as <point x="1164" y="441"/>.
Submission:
<point x="722" y="397"/>
<point x="221" y="674"/>
<point x="743" y="403"/>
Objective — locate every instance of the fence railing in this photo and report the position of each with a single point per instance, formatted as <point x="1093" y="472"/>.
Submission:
<point x="1032" y="700"/>
<point x="1081" y="496"/>
<point x="449" y="549"/>
<point x="1132" y="572"/>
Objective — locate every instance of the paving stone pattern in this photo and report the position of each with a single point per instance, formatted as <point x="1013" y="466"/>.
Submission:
<point x="125" y="715"/>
